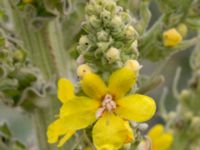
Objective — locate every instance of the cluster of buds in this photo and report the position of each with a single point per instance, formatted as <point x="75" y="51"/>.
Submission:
<point x="110" y="39"/>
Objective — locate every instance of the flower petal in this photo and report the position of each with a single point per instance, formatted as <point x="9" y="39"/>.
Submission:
<point x="55" y="130"/>
<point x="78" y="113"/>
<point x="163" y="142"/>
<point x="109" y="133"/>
<point x="66" y="137"/>
<point x="129" y="131"/>
<point x="120" y="82"/>
<point x="93" y="86"/>
<point x="156" y="131"/>
<point x="136" y="107"/>
<point x="65" y="90"/>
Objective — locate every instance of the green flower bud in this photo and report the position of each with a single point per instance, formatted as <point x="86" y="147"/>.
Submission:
<point x="103" y="46"/>
<point x="134" y="47"/>
<point x="106" y="17"/>
<point x="185" y="95"/>
<point x="93" y="8"/>
<point x="116" y="23"/>
<point x="84" y="43"/>
<point x="94" y="21"/>
<point x="90" y="9"/>
<point x="19" y="55"/>
<point x="182" y="29"/>
<point x="110" y="5"/>
<point x="98" y="9"/>
<point x="130" y="33"/>
<point x="100" y="2"/>
<point x="112" y="55"/>
<point x="102" y="36"/>
<point x="125" y="17"/>
<point x="84" y="40"/>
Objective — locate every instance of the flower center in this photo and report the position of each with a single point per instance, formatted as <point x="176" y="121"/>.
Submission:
<point x="107" y="104"/>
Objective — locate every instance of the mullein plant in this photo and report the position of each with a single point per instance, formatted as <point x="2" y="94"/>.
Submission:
<point x="91" y="49"/>
<point x="107" y="67"/>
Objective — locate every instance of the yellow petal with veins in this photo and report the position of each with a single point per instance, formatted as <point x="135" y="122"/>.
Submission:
<point x="120" y="82"/>
<point x="136" y="107"/>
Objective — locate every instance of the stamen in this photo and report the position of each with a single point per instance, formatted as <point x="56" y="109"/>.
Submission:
<point x="107" y="104"/>
<point x="100" y="112"/>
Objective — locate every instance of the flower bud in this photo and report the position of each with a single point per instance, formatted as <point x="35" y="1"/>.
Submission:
<point x="130" y="33"/>
<point x="185" y="94"/>
<point x="133" y="65"/>
<point x="102" y="36"/>
<point x="134" y="47"/>
<point x="110" y="5"/>
<point x="125" y="17"/>
<point x="19" y="55"/>
<point x="112" y="55"/>
<point x="182" y="29"/>
<point x="116" y="23"/>
<point x="84" y="41"/>
<point x="100" y="2"/>
<point x="90" y="9"/>
<point x="103" y="46"/>
<point x="171" y="37"/>
<point x="82" y="70"/>
<point x="106" y="16"/>
<point x="94" y="21"/>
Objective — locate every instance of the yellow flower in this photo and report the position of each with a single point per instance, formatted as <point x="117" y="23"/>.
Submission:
<point x="161" y="139"/>
<point x="171" y="37"/>
<point x="106" y="106"/>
